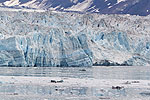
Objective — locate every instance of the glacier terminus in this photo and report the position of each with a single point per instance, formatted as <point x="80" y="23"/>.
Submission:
<point x="52" y="38"/>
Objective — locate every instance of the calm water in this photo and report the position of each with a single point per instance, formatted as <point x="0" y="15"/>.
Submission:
<point x="37" y="92"/>
<point x="99" y="72"/>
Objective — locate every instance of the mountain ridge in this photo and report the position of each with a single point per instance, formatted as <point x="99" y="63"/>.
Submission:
<point x="133" y="7"/>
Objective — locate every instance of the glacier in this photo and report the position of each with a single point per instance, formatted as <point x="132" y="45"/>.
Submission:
<point x="68" y="39"/>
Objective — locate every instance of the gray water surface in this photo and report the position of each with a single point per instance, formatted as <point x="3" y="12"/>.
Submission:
<point x="98" y="72"/>
<point x="10" y="91"/>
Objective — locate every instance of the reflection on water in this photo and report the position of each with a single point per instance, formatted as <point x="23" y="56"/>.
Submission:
<point x="36" y="92"/>
<point x="10" y="91"/>
<point x="58" y="91"/>
<point x="130" y="72"/>
<point x="46" y="72"/>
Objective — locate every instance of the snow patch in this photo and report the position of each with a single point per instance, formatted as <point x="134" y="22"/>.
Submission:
<point x="118" y="1"/>
<point x="80" y="6"/>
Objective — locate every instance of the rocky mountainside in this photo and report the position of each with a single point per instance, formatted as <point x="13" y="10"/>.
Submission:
<point x="133" y="7"/>
<point x="72" y="39"/>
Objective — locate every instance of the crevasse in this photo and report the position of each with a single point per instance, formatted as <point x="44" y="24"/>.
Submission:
<point x="45" y="39"/>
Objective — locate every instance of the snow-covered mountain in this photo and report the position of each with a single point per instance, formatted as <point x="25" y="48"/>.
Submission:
<point x="139" y="7"/>
<point x="72" y="39"/>
<point x="66" y="5"/>
<point x="133" y="7"/>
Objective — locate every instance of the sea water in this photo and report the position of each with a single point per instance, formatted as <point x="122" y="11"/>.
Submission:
<point x="10" y="91"/>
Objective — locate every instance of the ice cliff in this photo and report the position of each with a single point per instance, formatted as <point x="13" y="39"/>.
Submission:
<point x="71" y="39"/>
